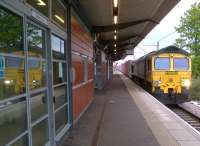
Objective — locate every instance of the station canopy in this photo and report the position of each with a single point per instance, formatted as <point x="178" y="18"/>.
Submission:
<point x="120" y="25"/>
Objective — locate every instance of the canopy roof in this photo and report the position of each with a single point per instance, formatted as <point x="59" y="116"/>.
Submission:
<point x="136" y="18"/>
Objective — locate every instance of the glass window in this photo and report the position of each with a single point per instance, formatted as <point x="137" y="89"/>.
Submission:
<point x="12" y="62"/>
<point x="13" y="119"/>
<point x="77" y="64"/>
<point x="37" y="74"/>
<point x="38" y="105"/>
<point x="162" y="63"/>
<point x="40" y="133"/>
<point x="90" y="70"/>
<point x="58" y="13"/>
<point x="11" y="33"/>
<point x="40" y="5"/>
<point x="34" y="64"/>
<point x="85" y="64"/>
<point x="59" y="72"/>
<point x="60" y="96"/>
<point x="12" y="80"/>
<point x="36" y="40"/>
<point x="58" y="47"/>
<point x="181" y="64"/>
<point x="132" y="68"/>
<point x="60" y="119"/>
<point x="21" y="142"/>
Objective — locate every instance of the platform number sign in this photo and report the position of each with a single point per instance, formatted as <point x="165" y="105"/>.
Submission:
<point x="2" y="67"/>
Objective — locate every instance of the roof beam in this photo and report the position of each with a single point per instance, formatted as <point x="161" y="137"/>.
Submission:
<point x="124" y="45"/>
<point x="118" y="50"/>
<point x="125" y="49"/>
<point x="120" y="26"/>
<point x="122" y="39"/>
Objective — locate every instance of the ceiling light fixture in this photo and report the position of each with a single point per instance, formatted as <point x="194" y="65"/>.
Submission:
<point x="115" y="31"/>
<point x="41" y="3"/>
<point x="115" y="45"/>
<point x="59" y="18"/>
<point x="115" y="19"/>
<point x="115" y="3"/>
<point x="115" y="37"/>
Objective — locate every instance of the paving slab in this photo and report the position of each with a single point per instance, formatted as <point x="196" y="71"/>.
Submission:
<point x="113" y="119"/>
<point x="123" y="124"/>
<point x="123" y="114"/>
<point x="168" y="128"/>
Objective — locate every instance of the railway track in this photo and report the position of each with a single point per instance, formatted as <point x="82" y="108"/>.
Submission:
<point x="186" y="116"/>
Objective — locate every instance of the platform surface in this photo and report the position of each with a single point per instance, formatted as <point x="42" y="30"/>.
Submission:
<point x="123" y="114"/>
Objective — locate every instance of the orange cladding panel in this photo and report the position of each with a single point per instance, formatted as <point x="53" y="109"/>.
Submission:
<point x="83" y="91"/>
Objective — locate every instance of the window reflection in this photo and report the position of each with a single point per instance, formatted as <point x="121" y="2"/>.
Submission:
<point x="59" y="72"/>
<point x="58" y="47"/>
<point x="37" y="74"/>
<point x="11" y="33"/>
<point x="58" y="13"/>
<point x="21" y="142"/>
<point x="40" y="5"/>
<point x="12" y="80"/>
<point x="38" y="105"/>
<point x="60" y="96"/>
<point x="12" y="119"/>
<point x="60" y="119"/>
<point x="40" y="133"/>
<point x="35" y="38"/>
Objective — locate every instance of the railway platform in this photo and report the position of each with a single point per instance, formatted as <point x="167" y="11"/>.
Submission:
<point x="125" y="114"/>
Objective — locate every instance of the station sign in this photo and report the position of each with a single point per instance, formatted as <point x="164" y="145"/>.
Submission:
<point x="2" y="67"/>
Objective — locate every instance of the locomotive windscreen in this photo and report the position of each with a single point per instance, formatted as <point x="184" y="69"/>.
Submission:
<point x="162" y="63"/>
<point x="181" y="64"/>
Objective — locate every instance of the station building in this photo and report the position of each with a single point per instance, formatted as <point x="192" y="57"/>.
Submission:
<point x="52" y="58"/>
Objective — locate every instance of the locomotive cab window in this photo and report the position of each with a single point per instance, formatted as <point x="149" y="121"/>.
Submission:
<point x="181" y="64"/>
<point x="162" y="63"/>
<point x="132" y="68"/>
<point x="149" y="65"/>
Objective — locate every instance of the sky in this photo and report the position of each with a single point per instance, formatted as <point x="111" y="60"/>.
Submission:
<point x="164" y="32"/>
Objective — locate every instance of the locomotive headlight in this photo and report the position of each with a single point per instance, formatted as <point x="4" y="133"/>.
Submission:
<point x="7" y="82"/>
<point x="186" y="83"/>
<point x="157" y="83"/>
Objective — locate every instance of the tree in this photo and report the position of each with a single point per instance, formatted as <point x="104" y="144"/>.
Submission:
<point x="11" y="32"/>
<point x="189" y="30"/>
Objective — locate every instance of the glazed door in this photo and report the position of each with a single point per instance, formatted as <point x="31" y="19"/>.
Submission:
<point x="60" y="96"/>
<point x="37" y="85"/>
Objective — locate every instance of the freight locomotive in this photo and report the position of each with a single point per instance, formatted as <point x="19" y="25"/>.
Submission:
<point x="165" y="73"/>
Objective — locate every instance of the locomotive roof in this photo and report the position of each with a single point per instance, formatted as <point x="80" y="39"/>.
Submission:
<point x="169" y="49"/>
